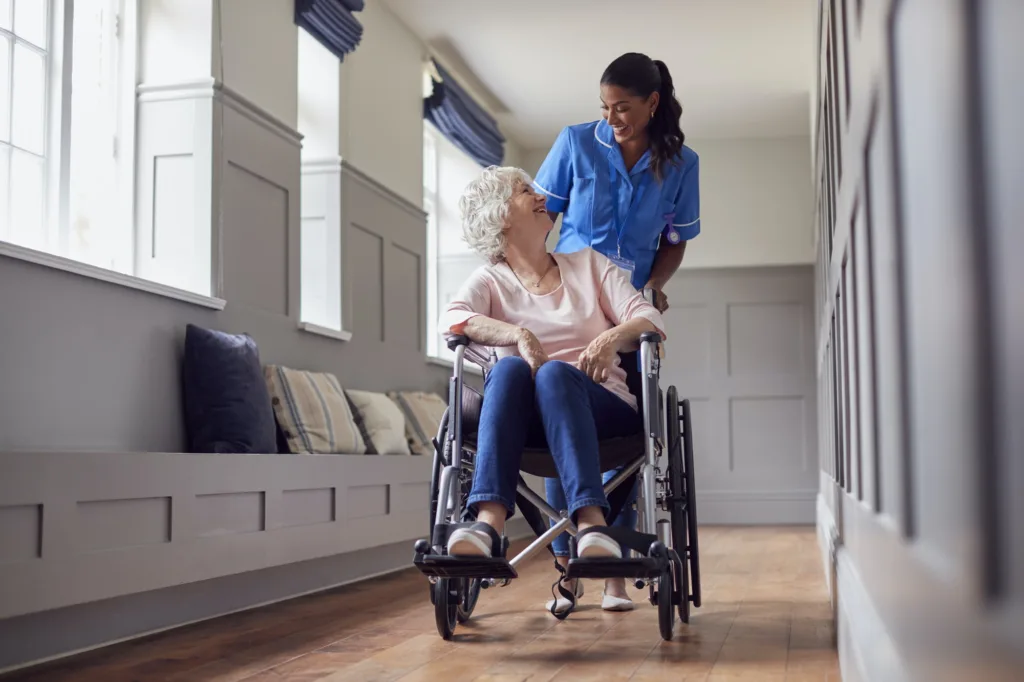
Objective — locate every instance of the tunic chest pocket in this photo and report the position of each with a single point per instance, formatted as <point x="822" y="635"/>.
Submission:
<point x="581" y="205"/>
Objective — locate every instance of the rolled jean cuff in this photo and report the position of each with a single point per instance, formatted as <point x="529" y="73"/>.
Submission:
<point x="560" y="552"/>
<point x="588" y="502"/>
<point x="510" y="507"/>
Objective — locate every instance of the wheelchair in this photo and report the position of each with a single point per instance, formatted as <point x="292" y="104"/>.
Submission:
<point x="663" y="554"/>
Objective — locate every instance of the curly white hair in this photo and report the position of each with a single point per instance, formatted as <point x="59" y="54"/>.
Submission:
<point x="484" y="208"/>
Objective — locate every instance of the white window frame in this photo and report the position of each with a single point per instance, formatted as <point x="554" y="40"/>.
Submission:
<point x="320" y="262"/>
<point x="54" y="249"/>
<point x="58" y="112"/>
<point x="433" y="143"/>
<point x="50" y="89"/>
<point x="430" y="202"/>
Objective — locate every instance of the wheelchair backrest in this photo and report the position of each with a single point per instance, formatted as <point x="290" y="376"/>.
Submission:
<point x="630" y="362"/>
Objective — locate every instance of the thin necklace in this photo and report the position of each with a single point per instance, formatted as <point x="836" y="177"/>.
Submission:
<point x="540" y="279"/>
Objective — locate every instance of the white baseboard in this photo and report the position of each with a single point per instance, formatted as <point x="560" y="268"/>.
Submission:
<point x="867" y="652"/>
<point x="827" y="536"/>
<point x="728" y="507"/>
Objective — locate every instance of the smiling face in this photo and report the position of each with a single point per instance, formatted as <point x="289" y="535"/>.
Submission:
<point x="627" y="113"/>
<point x="528" y="217"/>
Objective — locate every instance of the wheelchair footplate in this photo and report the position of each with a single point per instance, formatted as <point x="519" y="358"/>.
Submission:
<point x="443" y="566"/>
<point x="651" y="565"/>
<point x="432" y="562"/>
<point x="602" y="568"/>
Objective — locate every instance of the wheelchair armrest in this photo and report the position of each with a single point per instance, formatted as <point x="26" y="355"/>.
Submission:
<point x="456" y="340"/>
<point x="650" y="337"/>
<point x="472" y="353"/>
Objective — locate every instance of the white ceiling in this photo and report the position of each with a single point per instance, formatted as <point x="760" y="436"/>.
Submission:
<point x="742" y="68"/>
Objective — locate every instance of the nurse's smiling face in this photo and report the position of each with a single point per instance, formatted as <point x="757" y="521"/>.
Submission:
<point x="627" y="113"/>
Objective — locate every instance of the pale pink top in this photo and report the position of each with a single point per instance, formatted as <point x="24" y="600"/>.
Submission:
<point x="594" y="296"/>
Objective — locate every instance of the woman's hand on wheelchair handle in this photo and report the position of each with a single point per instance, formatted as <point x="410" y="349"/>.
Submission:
<point x="598" y="358"/>
<point x="530" y="350"/>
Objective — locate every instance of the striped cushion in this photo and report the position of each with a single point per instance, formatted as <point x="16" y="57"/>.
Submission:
<point x="313" y="412"/>
<point x="423" y="414"/>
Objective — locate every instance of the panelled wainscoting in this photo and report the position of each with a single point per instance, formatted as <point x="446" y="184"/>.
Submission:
<point x="740" y="349"/>
<point x="81" y="528"/>
<point x="918" y="149"/>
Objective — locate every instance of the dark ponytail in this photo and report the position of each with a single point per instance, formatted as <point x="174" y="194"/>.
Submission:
<point x="641" y="75"/>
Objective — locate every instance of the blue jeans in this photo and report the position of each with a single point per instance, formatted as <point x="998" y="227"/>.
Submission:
<point x="562" y="408"/>
<point x="626" y="518"/>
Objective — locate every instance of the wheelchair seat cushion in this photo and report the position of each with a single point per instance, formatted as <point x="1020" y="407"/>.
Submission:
<point x="614" y="452"/>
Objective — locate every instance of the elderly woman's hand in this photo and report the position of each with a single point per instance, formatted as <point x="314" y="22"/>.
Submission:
<point x="598" y="358"/>
<point x="531" y="350"/>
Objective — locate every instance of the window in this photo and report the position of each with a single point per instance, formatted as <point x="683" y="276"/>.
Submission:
<point x="67" y="129"/>
<point x="319" y="109"/>
<point x="446" y="172"/>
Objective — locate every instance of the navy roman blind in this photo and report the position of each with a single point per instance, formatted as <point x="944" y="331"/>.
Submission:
<point x="463" y="121"/>
<point x="331" y="23"/>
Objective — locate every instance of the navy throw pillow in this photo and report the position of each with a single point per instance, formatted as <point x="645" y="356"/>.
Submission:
<point x="227" y="404"/>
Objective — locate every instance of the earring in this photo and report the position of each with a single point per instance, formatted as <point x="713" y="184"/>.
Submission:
<point x="652" y="113"/>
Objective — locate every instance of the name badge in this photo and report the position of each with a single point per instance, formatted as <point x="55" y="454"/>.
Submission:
<point x="627" y="265"/>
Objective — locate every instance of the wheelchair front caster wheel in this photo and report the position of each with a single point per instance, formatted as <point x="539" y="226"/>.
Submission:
<point x="469" y="592"/>
<point x="446" y="606"/>
<point x="666" y="612"/>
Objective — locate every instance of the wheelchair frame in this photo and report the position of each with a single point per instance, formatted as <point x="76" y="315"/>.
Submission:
<point x="659" y="553"/>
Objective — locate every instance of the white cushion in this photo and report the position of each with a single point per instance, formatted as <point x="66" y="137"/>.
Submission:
<point x="383" y="423"/>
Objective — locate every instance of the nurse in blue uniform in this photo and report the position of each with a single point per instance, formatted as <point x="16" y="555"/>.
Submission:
<point x="626" y="186"/>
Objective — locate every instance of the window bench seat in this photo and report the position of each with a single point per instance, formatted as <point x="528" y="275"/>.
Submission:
<point x="78" y="527"/>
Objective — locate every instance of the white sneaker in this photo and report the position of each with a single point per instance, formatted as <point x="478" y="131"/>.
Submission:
<point x="595" y="544"/>
<point x="475" y="541"/>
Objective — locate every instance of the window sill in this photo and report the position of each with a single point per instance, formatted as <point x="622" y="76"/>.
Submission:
<point x="336" y="334"/>
<point x="93" y="272"/>
<point x="467" y="367"/>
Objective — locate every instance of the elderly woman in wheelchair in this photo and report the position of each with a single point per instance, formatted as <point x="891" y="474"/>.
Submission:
<point x="552" y="404"/>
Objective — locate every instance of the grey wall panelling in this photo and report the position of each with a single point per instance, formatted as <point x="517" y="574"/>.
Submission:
<point x="916" y="514"/>
<point x="741" y="348"/>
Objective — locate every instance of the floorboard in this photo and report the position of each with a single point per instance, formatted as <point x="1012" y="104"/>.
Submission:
<point x="765" y="617"/>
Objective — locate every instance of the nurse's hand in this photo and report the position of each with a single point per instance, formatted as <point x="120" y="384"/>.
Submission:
<point x="530" y="350"/>
<point x="597" y="359"/>
<point x="660" y="300"/>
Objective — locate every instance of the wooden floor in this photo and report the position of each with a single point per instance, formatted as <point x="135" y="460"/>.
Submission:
<point x="765" y="617"/>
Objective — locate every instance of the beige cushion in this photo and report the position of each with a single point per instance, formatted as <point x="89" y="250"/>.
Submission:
<point x="423" y="413"/>
<point x="313" y="412"/>
<point x="383" y="422"/>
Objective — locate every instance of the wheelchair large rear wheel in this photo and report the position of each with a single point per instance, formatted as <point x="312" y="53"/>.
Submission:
<point x="446" y="606"/>
<point x="680" y="499"/>
<point x="691" y="503"/>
